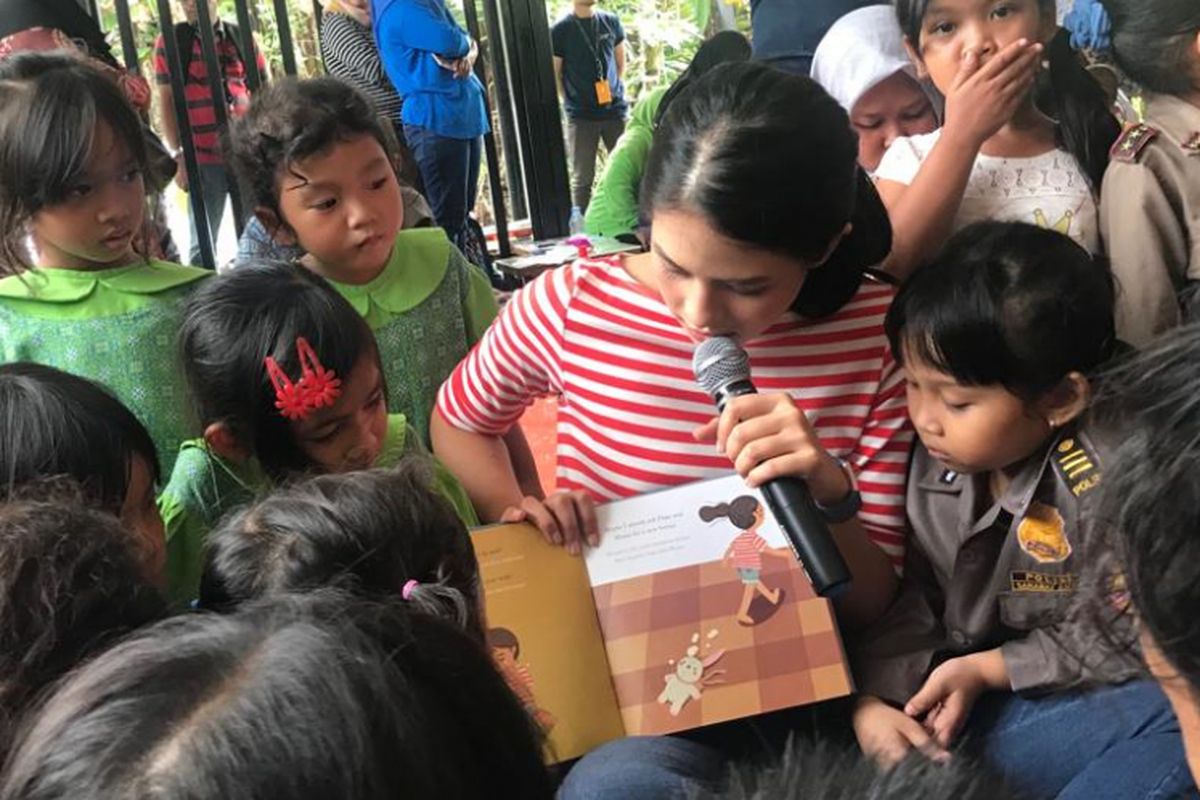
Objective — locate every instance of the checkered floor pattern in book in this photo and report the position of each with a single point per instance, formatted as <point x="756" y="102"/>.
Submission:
<point x="661" y="629"/>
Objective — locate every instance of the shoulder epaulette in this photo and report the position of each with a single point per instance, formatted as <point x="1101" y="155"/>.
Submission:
<point x="1132" y="142"/>
<point x="1077" y="465"/>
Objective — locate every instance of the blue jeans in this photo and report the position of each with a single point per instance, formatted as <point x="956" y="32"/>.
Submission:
<point x="450" y="172"/>
<point x="645" y="768"/>
<point x="1112" y="742"/>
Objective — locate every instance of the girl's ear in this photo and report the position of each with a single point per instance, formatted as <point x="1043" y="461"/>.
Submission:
<point x="1065" y="402"/>
<point x="275" y="226"/>
<point x="221" y="440"/>
<point x="915" y="58"/>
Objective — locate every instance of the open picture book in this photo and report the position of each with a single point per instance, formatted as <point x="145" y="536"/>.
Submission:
<point x="692" y="611"/>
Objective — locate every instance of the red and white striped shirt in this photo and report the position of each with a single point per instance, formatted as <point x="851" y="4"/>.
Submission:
<point x="621" y="366"/>
<point x="745" y="552"/>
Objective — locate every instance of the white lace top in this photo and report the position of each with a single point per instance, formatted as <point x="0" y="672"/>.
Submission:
<point x="1048" y="190"/>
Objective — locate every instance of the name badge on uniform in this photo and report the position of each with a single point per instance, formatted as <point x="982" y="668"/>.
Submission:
<point x="603" y="92"/>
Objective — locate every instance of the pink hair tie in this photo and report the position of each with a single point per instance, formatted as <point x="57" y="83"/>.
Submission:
<point x="407" y="591"/>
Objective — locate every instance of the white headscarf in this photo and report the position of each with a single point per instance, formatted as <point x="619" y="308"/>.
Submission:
<point x="862" y="49"/>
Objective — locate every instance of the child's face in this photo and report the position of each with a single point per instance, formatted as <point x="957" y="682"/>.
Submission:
<point x="970" y="429"/>
<point x="139" y="514"/>
<point x="344" y="208"/>
<point x="950" y="28"/>
<point x="715" y="286"/>
<point x="504" y="656"/>
<point x="348" y="435"/>
<point x="892" y="108"/>
<point x="93" y="228"/>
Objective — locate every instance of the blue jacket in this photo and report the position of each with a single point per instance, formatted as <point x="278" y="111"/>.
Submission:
<point x="409" y="34"/>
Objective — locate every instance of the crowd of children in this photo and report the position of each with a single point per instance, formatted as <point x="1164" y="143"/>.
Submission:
<point x="235" y="557"/>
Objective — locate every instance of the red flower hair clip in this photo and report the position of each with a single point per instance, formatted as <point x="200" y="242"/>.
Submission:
<point x="317" y="388"/>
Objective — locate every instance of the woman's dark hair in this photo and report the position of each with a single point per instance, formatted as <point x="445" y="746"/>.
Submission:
<point x="1086" y="127"/>
<point x="234" y="321"/>
<point x="71" y="582"/>
<point x="1154" y="42"/>
<point x="1149" y="408"/>
<point x="740" y="511"/>
<point x="319" y="696"/>
<point x="56" y="425"/>
<point x="50" y="105"/>
<point x="365" y="532"/>
<point x="726" y="47"/>
<point x="293" y="119"/>
<point x="1007" y="304"/>
<point x="769" y="160"/>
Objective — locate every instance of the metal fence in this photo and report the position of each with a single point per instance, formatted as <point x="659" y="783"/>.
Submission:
<point x="526" y="145"/>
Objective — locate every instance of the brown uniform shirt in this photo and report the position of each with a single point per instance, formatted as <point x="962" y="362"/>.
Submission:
<point x="1150" y="216"/>
<point x="979" y="576"/>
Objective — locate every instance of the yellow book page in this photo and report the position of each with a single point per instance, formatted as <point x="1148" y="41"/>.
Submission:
<point x="543" y="633"/>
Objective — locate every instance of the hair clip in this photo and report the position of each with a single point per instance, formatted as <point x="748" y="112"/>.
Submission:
<point x="406" y="592"/>
<point x="317" y="388"/>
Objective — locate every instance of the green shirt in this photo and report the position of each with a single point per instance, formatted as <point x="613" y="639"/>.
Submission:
<point x="205" y="487"/>
<point x="613" y="210"/>
<point x="117" y="327"/>
<point x="427" y="309"/>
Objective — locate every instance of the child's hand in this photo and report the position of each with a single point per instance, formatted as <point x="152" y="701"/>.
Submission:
<point x="767" y="436"/>
<point x="982" y="99"/>
<point x="951" y="690"/>
<point x="564" y="518"/>
<point x="887" y="734"/>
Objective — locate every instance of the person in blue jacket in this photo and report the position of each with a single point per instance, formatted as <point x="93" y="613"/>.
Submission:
<point x="430" y="60"/>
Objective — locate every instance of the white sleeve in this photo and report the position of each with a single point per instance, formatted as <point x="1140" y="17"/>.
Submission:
<point x="901" y="162"/>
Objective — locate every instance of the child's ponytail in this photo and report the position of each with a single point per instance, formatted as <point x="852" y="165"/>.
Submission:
<point x="1070" y="96"/>
<point x="439" y="598"/>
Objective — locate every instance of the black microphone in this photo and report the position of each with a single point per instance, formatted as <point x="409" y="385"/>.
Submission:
<point x="723" y="370"/>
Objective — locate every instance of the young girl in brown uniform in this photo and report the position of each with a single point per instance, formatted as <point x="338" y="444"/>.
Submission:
<point x="997" y="338"/>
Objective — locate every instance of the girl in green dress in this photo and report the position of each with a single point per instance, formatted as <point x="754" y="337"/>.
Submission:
<point x="321" y="167"/>
<point x="72" y="199"/>
<point x="286" y="379"/>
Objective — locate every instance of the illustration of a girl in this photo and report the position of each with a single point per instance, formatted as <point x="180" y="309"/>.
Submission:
<point x="745" y="551"/>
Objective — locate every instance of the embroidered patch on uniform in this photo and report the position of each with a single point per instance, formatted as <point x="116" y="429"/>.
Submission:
<point x="1024" y="581"/>
<point x="1076" y="466"/>
<point x="948" y="477"/>
<point x="1130" y="144"/>
<point x="1042" y="534"/>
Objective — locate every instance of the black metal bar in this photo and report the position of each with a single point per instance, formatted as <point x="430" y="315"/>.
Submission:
<point x="318" y="15"/>
<point x="285" y="37"/>
<point x="128" y="42"/>
<point x="254" y="78"/>
<point x="514" y="172"/>
<point x="526" y="34"/>
<point x="93" y="10"/>
<point x="489" y="140"/>
<point x="205" y="26"/>
<point x="179" y="100"/>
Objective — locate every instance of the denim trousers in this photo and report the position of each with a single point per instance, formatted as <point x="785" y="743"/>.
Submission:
<point x="450" y="171"/>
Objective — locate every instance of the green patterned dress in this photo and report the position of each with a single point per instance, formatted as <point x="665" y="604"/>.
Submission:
<point x="205" y="487"/>
<point x="427" y="309"/>
<point x="117" y="327"/>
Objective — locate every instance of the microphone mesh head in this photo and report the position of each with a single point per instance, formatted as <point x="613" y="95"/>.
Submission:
<point x="718" y="362"/>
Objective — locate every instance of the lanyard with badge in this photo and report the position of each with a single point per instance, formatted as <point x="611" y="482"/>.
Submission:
<point x="602" y="86"/>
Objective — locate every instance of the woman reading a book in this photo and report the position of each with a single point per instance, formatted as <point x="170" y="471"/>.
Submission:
<point x="762" y="226"/>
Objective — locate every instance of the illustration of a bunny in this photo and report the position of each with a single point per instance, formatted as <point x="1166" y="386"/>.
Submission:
<point x="691" y="675"/>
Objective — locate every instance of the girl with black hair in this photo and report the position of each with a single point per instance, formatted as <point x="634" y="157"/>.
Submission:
<point x="1014" y="146"/>
<point x="54" y="426"/>
<point x="307" y="697"/>
<point x="736" y="251"/>
<point x="72" y="581"/>
<point x="998" y="338"/>
<point x="380" y="534"/>
<point x="72" y="157"/>
<point x="1150" y="206"/>
<point x="286" y="379"/>
<point x="1150" y="511"/>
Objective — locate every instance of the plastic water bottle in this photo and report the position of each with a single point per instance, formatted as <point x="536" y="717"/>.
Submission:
<point x="575" y="226"/>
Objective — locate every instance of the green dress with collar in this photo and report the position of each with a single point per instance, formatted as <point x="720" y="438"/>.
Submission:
<point x="117" y="327"/>
<point x="427" y="309"/>
<point x="205" y="487"/>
